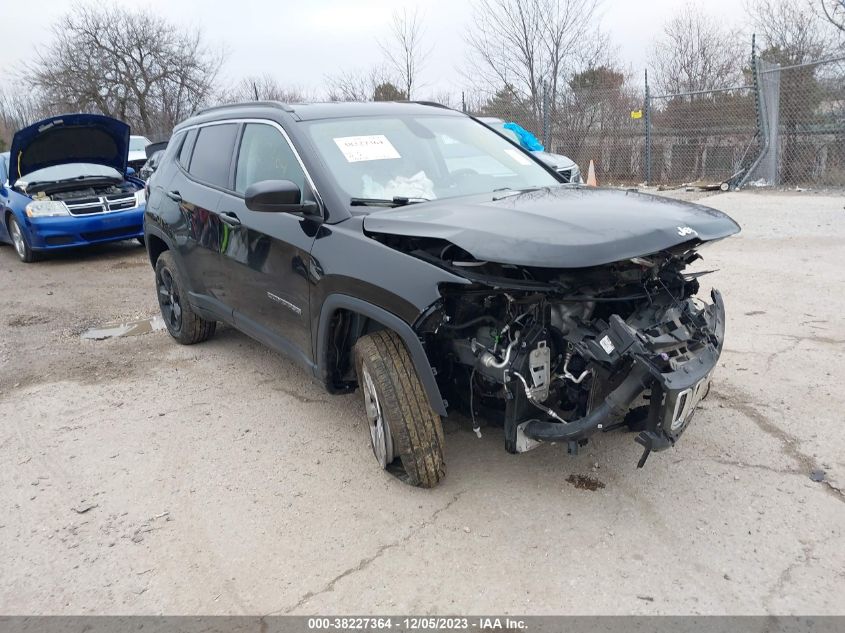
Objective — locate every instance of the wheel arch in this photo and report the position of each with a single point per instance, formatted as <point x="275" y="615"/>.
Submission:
<point x="374" y="318"/>
<point x="156" y="243"/>
<point x="8" y="214"/>
<point x="155" y="247"/>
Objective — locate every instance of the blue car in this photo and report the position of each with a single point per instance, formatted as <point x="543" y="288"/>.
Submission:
<point x="65" y="184"/>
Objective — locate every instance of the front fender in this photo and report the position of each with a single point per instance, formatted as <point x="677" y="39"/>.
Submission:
<point x="335" y="302"/>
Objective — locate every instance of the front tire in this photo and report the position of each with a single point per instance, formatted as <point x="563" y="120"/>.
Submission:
<point x="401" y="421"/>
<point x="181" y="321"/>
<point x="19" y="241"/>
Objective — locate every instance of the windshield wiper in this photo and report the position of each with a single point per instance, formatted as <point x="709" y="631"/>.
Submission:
<point x="395" y="201"/>
<point x="507" y="192"/>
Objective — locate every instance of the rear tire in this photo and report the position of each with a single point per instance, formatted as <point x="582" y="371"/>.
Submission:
<point x="393" y="391"/>
<point x="181" y="321"/>
<point x="19" y="241"/>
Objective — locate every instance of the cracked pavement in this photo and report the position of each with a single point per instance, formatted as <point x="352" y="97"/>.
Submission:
<point x="142" y="477"/>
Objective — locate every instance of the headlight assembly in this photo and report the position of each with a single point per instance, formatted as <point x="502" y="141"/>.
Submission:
<point x="140" y="197"/>
<point x="46" y="209"/>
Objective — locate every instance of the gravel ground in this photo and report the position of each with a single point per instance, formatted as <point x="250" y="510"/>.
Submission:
<point x="142" y="477"/>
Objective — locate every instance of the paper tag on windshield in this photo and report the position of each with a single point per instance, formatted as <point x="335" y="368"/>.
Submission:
<point x="359" y="148"/>
<point x="518" y="156"/>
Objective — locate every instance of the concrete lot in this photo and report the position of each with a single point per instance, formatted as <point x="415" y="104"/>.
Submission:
<point x="220" y="479"/>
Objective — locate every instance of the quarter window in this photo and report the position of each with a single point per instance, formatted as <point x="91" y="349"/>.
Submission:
<point x="213" y="154"/>
<point x="266" y="155"/>
<point x="187" y="146"/>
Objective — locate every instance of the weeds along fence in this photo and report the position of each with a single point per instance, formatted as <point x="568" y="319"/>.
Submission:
<point x="784" y="126"/>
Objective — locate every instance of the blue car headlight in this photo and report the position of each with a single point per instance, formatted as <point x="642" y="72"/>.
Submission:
<point x="140" y="197"/>
<point x="46" y="209"/>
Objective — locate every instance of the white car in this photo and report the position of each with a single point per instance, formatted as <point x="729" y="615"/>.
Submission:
<point x="137" y="155"/>
<point x="563" y="165"/>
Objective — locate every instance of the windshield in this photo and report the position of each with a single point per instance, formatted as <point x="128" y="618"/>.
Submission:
<point x="137" y="143"/>
<point x="501" y="129"/>
<point x="69" y="171"/>
<point x="421" y="157"/>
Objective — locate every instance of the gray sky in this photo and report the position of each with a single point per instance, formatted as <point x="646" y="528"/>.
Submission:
<point x="299" y="43"/>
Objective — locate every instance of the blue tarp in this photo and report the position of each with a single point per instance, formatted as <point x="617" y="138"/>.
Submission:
<point x="526" y="138"/>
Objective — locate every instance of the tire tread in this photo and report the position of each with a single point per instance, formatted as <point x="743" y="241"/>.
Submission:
<point x="194" y="328"/>
<point x="415" y="426"/>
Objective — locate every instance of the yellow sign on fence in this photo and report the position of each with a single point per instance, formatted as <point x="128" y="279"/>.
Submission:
<point x="636" y="114"/>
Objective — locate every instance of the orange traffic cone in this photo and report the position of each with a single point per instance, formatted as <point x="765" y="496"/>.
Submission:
<point x="591" y="176"/>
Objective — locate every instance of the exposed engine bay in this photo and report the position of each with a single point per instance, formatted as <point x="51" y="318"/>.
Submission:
<point x="66" y="191"/>
<point x="556" y="355"/>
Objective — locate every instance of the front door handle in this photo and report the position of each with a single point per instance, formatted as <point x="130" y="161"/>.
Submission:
<point x="230" y="218"/>
<point x="174" y="195"/>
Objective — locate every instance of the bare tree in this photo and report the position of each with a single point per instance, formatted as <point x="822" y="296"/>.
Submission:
<point x="444" y="97"/>
<point x="19" y="107"/>
<point x="695" y="52"/>
<point x="262" y="88"/>
<point x="404" y="50"/>
<point x="524" y="43"/>
<point x="132" y="65"/>
<point x="834" y="12"/>
<point x="595" y="110"/>
<point x="357" y="85"/>
<point x="794" y="34"/>
<point x="791" y="32"/>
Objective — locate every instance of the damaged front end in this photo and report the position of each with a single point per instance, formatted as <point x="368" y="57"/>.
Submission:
<point x="557" y="355"/>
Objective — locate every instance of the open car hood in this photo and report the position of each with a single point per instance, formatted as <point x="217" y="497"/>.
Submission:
<point x="559" y="227"/>
<point x="69" y="138"/>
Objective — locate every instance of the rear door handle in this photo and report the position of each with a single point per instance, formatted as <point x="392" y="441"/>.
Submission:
<point x="230" y="218"/>
<point x="174" y="195"/>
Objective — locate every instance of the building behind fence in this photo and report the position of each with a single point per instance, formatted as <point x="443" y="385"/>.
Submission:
<point x="784" y="126"/>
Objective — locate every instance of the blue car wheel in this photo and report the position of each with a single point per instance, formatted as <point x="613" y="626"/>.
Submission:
<point x="20" y="242"/>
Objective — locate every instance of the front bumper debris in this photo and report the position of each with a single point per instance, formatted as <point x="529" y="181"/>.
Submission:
<point x="674" y="361"/>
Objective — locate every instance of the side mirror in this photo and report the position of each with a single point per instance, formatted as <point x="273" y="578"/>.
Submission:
<point x="277" y="196"/>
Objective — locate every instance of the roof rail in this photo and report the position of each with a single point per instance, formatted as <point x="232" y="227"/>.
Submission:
<point x="433" y="104"/>
<point x="223" y="106"/>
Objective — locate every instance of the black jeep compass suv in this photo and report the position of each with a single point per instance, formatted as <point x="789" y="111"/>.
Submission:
<point x="412" y="252"/>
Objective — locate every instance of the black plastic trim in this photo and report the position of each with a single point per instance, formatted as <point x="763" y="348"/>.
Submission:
<point x="336" y="302"/>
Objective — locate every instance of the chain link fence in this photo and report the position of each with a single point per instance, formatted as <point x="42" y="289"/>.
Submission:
<point x="593" y="122"/>
<point x="705" y="137"/>
<point x="802" y="124"/>
<point x="591" y="119"/>
<point x="785" y="126"/>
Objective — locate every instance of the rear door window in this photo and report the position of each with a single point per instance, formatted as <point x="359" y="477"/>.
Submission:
<point x="212" y="154"/>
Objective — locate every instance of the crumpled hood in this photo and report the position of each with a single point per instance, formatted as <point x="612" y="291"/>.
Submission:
<point x="559" y="227"/>
<point x="69" y="138"/>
